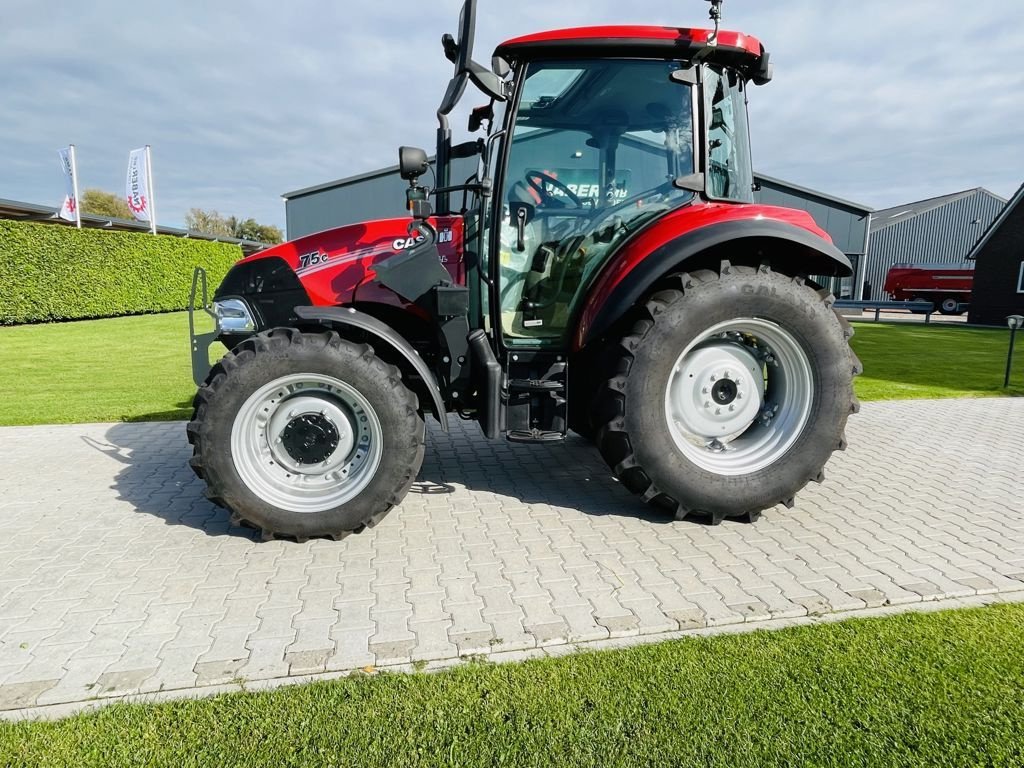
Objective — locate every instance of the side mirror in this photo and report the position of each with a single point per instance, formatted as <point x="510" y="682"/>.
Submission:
<point x="412" y="163"/>
<point x="1016" y="322"/>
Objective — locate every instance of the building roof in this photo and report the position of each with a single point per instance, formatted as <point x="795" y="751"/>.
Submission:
<point x="1008" y="209"/>
<point x="890" y="216"/>
<point x="44" y="214"/>
<point x="812" y="192"/>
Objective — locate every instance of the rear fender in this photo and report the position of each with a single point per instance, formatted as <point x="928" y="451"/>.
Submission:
<point x="788" y="248"/>
<point x="341" y="318"/>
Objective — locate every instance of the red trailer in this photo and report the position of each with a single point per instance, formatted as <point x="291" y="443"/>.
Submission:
<point x="948" y="286"/>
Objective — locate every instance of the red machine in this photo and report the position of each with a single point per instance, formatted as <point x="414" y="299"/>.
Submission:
<point x="947" y="286"/>
<point x="605" y="271"/>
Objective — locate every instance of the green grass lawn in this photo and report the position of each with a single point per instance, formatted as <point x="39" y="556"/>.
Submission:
<point x="941" y="689"/>
<point x="913" y="360"/>
<point x="123" y="369"/>
<point x="137" y="368"/>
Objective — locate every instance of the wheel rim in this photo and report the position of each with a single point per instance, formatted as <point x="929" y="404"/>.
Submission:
<point x="739" y="396"/>
<point x="306" y="443"/>
<point x="950" y="305"/>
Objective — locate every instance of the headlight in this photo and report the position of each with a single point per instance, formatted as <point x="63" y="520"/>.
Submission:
<point x="234" y="316"/>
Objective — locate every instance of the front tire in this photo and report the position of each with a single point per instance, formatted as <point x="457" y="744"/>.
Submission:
<point x="731" y="393"/>
<point x="306" y="435"/>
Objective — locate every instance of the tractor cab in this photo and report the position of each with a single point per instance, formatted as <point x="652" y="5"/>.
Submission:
<point x="592" y="136"/>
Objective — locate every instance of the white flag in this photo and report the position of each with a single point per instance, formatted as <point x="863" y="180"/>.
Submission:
<point x="69" y="209"/>
<point x="137" y="185"/>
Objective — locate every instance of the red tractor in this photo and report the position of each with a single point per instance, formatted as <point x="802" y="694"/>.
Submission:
<point x="605" y="271"/>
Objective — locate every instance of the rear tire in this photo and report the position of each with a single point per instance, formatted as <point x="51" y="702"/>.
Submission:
<point x="696" y="444"/>
<point x="950" y="305"/>
<point x="306" y="435"/>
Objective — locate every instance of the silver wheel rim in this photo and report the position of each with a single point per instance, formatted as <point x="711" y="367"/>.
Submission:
<point x="739" y="396"/>
<point x="288" y="421"/>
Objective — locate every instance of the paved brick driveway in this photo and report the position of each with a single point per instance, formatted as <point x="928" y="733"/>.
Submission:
<point x="116" y="577"/>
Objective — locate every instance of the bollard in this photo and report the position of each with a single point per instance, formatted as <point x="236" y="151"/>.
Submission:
<point x="1014" y="322"/>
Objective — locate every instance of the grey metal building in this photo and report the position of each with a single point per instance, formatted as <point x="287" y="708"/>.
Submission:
<point x="381" y="194"/>
<point x="940" y="230"/>
<point x="847" y="224"/>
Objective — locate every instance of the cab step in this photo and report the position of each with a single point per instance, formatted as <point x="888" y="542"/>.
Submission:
<point x="536" y="398"/>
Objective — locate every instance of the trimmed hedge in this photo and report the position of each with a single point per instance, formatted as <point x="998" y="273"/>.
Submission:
<point x="51" y="272"/>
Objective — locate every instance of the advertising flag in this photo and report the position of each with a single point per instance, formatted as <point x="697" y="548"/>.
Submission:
<point x="137" y="185"/>
<point x="69" y="209"/>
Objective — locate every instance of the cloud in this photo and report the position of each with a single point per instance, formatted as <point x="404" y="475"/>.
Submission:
<point x="876" y="101"/>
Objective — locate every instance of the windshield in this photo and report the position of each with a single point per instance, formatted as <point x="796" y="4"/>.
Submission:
<point x="596" y="147"/>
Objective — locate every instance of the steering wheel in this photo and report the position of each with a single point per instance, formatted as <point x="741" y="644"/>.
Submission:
<point x="537" y="180"/>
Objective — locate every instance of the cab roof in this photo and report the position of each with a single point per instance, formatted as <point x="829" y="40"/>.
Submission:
<point x="733" y="48"/>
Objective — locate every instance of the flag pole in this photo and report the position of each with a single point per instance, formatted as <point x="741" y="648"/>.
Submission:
<point x="74" y="186"/>
<point x="152" y="194"/>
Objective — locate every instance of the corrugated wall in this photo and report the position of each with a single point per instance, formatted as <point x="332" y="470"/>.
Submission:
<point x="944" y="235"/>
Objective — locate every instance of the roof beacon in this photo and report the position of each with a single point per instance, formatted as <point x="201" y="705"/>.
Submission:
<point x="716" y="16"/>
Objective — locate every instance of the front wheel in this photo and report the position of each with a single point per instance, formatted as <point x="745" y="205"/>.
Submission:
<point x="306" y="435"/>
<point x="731" y="393"/>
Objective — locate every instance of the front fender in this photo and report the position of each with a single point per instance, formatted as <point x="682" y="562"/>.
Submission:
<point x="351" y="318"/>
<point x="787" y="247"/>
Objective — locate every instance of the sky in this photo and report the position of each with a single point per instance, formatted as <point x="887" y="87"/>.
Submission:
<point x="879" y="102"/>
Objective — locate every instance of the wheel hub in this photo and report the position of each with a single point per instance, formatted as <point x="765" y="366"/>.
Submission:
<point x="310" y="439"/>
<point x="307" y="442"/>
<point x="716" y="393"/>
<point x="725" y="392"/>
<point x="311" y="434"/>
<point x="739" y="396"/>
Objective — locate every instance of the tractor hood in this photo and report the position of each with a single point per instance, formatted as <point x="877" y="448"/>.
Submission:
<point x="335" y="264"/>
<point x="335" y="268"/>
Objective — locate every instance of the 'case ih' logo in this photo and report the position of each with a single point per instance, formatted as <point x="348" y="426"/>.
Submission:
<point x="405" y="243"/>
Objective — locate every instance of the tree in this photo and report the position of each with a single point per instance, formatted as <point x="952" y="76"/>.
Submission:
<point x="100" y="203"/>
<point x="213" y="223"/>
<point x="250" y="229"/>
<point x="208" y="223"/>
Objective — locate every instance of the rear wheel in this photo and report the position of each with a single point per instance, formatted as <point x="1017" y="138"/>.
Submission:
<point x="950" y="305"/>
<point x="730" y="394"/>
<point x="306" y="435"/>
